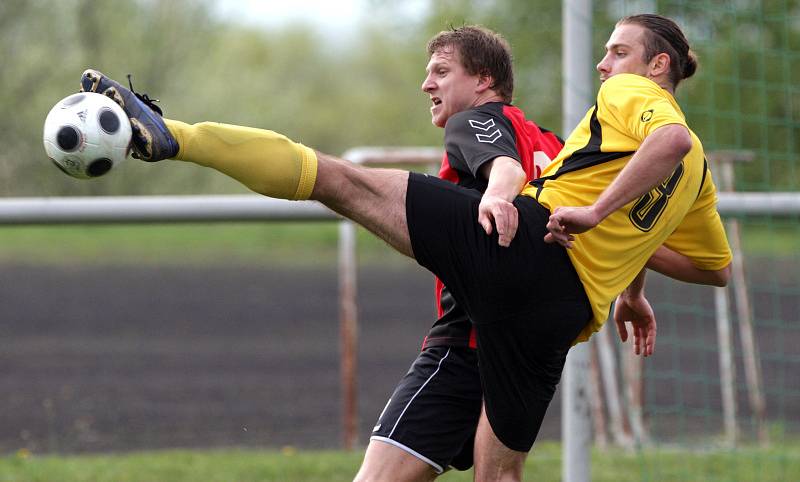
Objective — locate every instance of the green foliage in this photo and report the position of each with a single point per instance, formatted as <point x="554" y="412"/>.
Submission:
<point x="365" y="90"/>
<point x="289" y="80"/>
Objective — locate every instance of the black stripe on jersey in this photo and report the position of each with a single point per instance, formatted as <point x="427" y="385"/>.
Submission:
<point x="587" y="156"/>
<point x="703" y="179"/>
<point x="595" y="139"/>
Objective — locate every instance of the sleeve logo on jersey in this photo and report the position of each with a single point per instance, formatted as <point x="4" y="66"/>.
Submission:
<point x="489" y="137"/>
<point x="647" y="115"/>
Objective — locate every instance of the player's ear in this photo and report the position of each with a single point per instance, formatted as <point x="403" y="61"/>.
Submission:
<point x="660" y="64"/>
<point x="485" y="81"/>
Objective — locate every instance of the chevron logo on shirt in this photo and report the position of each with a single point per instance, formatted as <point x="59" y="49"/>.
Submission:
<point x="489" y="138"/>
<point x="484" y="126"/>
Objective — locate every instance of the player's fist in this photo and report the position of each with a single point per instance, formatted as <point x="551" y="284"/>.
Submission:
<point x="496" y="212"/>
<point x="566" y="221"/>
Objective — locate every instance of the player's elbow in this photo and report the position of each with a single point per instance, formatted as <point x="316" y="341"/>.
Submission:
<point x="721" y="276"/>
<point x="510" y="167"/>
<point x="678" y="139"/>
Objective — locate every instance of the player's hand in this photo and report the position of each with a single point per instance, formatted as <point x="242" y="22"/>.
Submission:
<point x="639" y="313"/>
<point x="566" y="221"/>
<point x="495" y="211"/>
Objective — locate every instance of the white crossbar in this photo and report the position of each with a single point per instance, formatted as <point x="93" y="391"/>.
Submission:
<point x="169" y="209"/>
<point x="157" y="209"/>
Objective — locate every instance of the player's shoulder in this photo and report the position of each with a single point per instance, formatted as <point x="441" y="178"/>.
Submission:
<point x="482" y="116"/>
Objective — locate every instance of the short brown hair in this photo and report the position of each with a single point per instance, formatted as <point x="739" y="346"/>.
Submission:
<point x="481" y="52"/>
<point x="664" y="35"/>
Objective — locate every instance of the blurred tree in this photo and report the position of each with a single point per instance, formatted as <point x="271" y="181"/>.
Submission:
<point x="330" y="96"/>
<point x="334" y="95"/>
<point x="47" y="46"/>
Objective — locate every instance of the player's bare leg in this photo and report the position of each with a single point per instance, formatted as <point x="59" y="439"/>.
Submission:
<point x="275" y="166"/>
<point x="493" y="460"/>
<point x="385" y="462"/>
<point x="374" y="198"/>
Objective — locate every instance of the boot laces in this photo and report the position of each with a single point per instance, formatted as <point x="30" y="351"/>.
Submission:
<point x="151" y="103"/>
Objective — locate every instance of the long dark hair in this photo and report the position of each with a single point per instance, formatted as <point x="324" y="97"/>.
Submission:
<point x="662" y="35"/>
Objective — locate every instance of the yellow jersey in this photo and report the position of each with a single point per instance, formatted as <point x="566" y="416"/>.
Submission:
<point x="679" y="213"/>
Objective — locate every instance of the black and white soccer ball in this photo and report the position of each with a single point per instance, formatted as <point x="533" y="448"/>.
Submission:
<point x="86" y="135"/>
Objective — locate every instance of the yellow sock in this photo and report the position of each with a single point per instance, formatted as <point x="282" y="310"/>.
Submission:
<point x="264" y="161"/>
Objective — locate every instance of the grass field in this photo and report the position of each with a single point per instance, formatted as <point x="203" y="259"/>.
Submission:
<point x="288" y="244"/>
<point x="295" y="244"/>
<point x="778" y="464"/>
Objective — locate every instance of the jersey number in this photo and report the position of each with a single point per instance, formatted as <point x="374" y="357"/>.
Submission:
<point x="649" y="207"/>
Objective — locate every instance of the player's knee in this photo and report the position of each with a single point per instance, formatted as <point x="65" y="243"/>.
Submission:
<point x="335" y="180"/>
<point x="385" y="462"/>
<point x="389" y="473"/>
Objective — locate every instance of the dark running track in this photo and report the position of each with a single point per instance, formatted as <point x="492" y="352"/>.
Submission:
<point x="115" y="359"/>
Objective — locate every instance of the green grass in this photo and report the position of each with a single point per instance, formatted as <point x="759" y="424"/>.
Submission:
<point x="295" y="244"/>
<point x="289" y="244"/>
<point x="764" y="236"/>
<point x="776" y="464"/>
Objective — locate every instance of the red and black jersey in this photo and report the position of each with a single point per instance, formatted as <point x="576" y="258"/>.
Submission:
<point x="471" y="138"/>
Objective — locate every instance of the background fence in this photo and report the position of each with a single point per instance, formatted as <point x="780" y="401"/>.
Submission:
<point x="129" y="362"/>
<point x="724" y="375"/>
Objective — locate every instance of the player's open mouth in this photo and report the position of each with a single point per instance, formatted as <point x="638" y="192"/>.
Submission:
<point x="436" y="100"/>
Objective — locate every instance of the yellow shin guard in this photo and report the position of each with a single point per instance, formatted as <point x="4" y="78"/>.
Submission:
<point x="264" y="161"/>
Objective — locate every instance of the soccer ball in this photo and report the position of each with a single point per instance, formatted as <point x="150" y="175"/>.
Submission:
<point x="86" y="135"/>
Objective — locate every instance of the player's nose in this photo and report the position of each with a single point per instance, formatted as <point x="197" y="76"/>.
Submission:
<point x="428" y="84"/>
<point x="602" y="66"/>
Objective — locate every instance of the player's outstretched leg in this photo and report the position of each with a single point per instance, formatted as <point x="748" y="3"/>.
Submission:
<point x="152" y="140"/>
<point x="268" y="163"/>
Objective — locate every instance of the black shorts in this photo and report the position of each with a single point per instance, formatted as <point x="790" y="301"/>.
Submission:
<point x="434" y="411"/>
<point x="526" y="301"/>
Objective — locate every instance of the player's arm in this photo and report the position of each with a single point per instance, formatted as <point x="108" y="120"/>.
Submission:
<point x="506" y="179"/>
<point x="485" y="143"/>
<point x="631" y="306"/>
<point x="677" y="266"/>
<point x="656" y="159"/>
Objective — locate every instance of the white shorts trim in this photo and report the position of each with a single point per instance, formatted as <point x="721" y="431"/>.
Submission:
<point x="438" y="468"/>
<point x="411" y="400"/>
